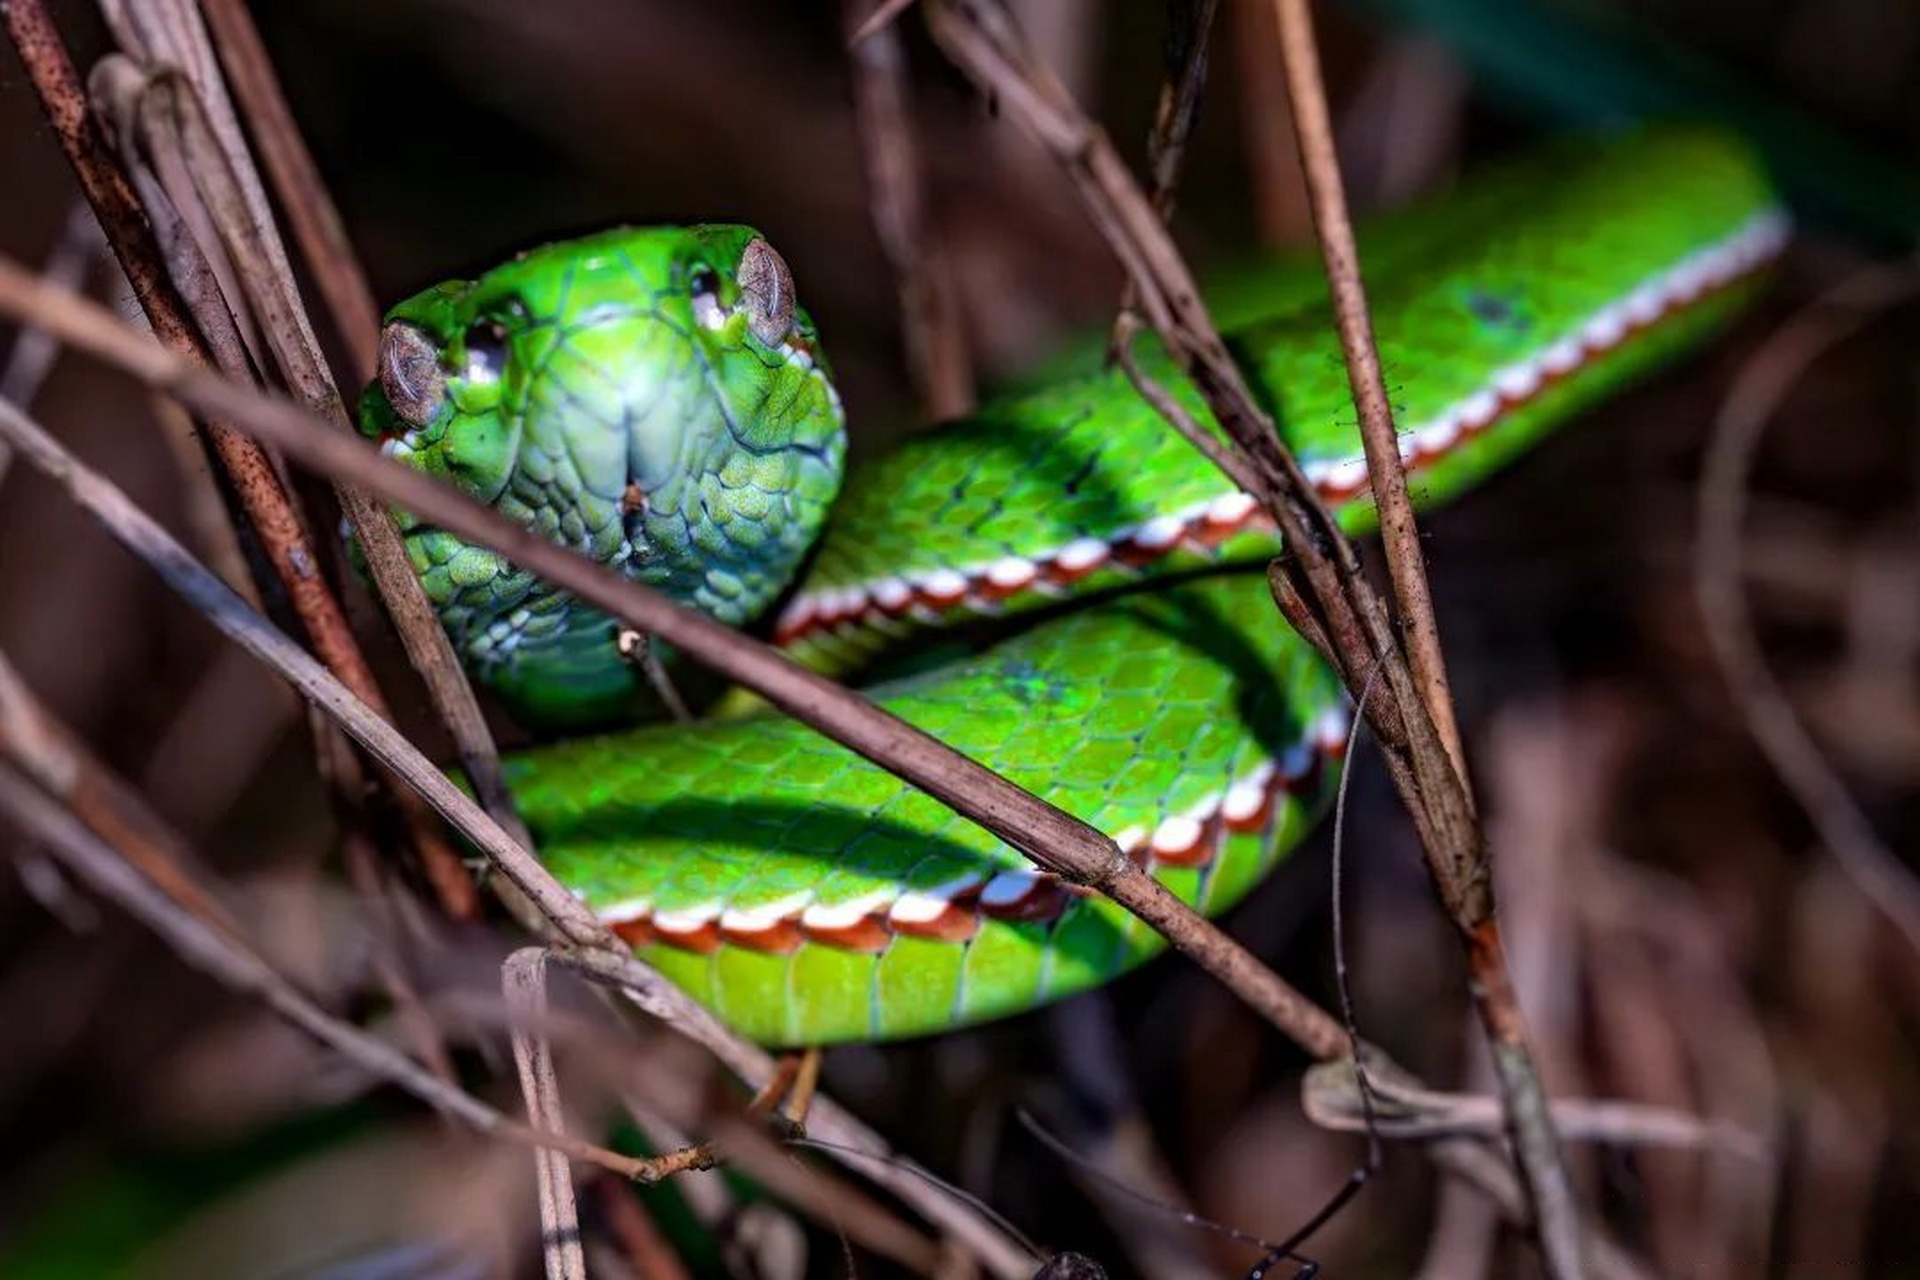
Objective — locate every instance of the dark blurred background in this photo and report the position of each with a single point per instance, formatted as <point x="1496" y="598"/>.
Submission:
<point x="1682" y="936"/>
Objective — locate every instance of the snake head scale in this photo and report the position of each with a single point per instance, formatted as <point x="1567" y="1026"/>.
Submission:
<point x="652" y="397"/>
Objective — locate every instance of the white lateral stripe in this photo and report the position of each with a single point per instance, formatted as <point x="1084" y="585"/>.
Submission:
<point x="924" y="906"/>
<point x="1231" y="508"/>
<point x="627" y="909"/>
<point x="1008" y="888"/>
<point x="1244" y="799"/>
<point x="1760" y="238"/>
<point x="764" y="915"/>
<point x="844" y="915"/>
<point x="1010" y="573"/>
<point x="1082" y="554"/>
<point x="1159" y="533"/>
<point x="1176" y="834"/>
<point x="687" y="919"/>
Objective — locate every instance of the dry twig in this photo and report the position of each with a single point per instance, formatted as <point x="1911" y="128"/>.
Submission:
<point x="1324" y="580"/>
<point x="186" y="120"/>
<point x="231" y="961"/>
<point x="930" y="318"/>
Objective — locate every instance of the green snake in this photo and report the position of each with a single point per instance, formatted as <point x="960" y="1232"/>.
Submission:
<point x="1057" y="585"/>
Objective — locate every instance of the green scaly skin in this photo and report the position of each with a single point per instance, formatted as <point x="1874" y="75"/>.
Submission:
<point x="808" y="896"/>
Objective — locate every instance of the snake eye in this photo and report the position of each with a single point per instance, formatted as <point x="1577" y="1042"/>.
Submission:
<point x="486" y="344"/>
<point x="704" y="285"/>
<point x="766" y="288"/>
<point x="410" y="374"/>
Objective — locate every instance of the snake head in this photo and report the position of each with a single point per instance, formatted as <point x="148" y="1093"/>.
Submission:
<point x="652" y="397"/>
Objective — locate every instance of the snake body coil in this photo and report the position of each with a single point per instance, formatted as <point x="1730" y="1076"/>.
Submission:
<point x="656" y="398"/>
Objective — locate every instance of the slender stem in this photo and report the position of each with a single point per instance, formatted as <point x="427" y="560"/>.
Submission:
<point x="930" y="317"/>
<point x="226" y="610"/>
<point x="356" y="321"/>
<point x="237" y="963"/>
<point x="296" y="179"/>
<point x="1333" y="229"/>
<point x="523" y="983"/>
<point x="174" y="119"/>
<point x="1542" y="1165"/>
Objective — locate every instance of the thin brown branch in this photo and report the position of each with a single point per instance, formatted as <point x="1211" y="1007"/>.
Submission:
<point x="281" y="533"/>
<point x="1178" y="109"/>
<point x="356" y="320"/>
<point x="980" y="37"/>
<point x="1332" y="1099"/>
<point x="1763" y="384"/>
<point x="303" y="195"/>
<point x="1333" y="229"/>
<point x="1175" y="115"/>
<point x="41" y="748"/>
<point x="31" y="357"/>
<point x="841" y="1133"/>
<point x="930" y="320"/>
<point x="141" y="534"/>
<point x="172" y="156"/>
<point x="1235" y="466"/>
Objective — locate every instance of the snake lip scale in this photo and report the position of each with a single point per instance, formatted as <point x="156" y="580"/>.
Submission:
<point x="1205" y="525"/>
<point x="953" y="912"/>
